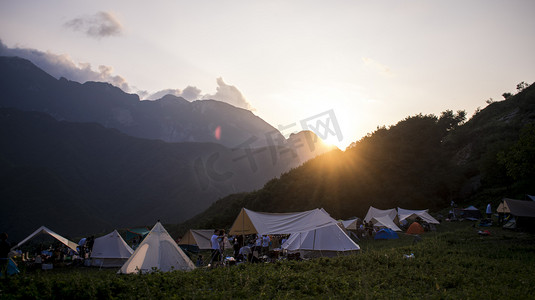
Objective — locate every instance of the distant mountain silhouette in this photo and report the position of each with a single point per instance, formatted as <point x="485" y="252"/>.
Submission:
<point x="88" y="157"/>
<point x="172" y="119"/>
<point x="83" y="177"/>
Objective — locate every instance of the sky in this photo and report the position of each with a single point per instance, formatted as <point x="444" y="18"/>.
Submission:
<point x="362" y="64"/>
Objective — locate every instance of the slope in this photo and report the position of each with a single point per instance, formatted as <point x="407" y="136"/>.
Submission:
<point x="423" y="161"/>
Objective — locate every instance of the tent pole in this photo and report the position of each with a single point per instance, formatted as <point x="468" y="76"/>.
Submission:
<point x="242" y="228"/>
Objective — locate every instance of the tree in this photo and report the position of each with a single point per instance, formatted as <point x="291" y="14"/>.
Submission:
<point x="506" y="95"/>
<point x="521" y="86"/>
<point x="519" y="160"/>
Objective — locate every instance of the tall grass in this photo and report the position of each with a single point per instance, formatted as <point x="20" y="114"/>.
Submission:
<point x="453" y="263"/>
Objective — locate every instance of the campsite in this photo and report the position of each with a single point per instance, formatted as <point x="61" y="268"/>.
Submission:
<point x="452" y="261"/>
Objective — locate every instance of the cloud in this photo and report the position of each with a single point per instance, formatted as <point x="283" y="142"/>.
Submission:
<point x="190" y="93"/>
<point x="230" y="94"/>
<point x="377" y="66"/>
<point x="101" y="24"/>
<point x="61" y="65"/>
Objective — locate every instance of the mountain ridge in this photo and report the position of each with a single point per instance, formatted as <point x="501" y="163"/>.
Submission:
<point x="170" y="119"/>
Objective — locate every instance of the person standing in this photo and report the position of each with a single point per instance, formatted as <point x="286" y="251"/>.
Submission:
<point x="5" y="247"/>
<point x="265" y="244"/>
<point x="216" y="253"/>
<point x="489" y="211"/>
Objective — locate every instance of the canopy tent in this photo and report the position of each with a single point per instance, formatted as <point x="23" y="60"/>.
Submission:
<point x="200" y="238"/>
<point x="518" y="208"/>
<point x="384" y="221"/>
<point x="415" y="228"/>
<point x="350" y="224"/>
<point x="406" y="214"/>
<point x="158" y="251"/>
<point x="375" y="212"/>
<point x="110" y="251"/>
<point x="386" y="234"/>
<point x="470" y="213"/>
<point x="136" y="232"/>
<point x="44" y="230"/>
<point x="523" y="212"/>
<point x="325" y="241"/>
<point x="251" y="222"/>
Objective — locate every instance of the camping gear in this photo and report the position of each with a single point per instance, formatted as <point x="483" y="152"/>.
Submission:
<point x="158" y="251"/>
<point x="326" y="241"/>
<point x="415" y="228"/>
<point x="110" y="251"/>
<point x="251" y="222"/>
<point x="12" y="268"/>
<point x="44" y="230"/>
<point x="386" y="234"/>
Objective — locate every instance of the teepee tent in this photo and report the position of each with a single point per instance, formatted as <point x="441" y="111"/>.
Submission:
<point x="251" y="222"/>
<point x="385" y="222"/>
<point x="200" y="238"/>
<point x="44" y="230"/>
<point x="158" y="251"/>
<point x="110" y="251"/>
<point x="407" y="214"/>
<point x="325" y="241"/>
<point x="375" y="212"/>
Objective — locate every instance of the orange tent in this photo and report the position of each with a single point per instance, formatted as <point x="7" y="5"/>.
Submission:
<point x="415" y="228"/>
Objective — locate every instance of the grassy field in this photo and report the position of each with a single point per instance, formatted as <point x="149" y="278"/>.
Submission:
<point x="455" y="262"/>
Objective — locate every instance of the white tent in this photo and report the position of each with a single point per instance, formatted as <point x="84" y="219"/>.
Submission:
<point x="350" y="224"/>
<point x="110" y="251"/>
<point x="200" y="238"/>
<point x="45" y="230"/>
<point x="251" y="222"/>
<point x="384" y="221"/>
<point x="325" y="241"/>
<point x="158" y="251"/>
<point x="375" y="212"/>
<point x="406" y="214"/>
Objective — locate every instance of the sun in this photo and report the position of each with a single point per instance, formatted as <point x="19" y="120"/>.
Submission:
<point x="333" y="141"/>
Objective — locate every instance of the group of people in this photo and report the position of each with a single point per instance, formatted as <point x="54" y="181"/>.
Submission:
<point x="249" y="248"/>
<point x="365" y="229"/>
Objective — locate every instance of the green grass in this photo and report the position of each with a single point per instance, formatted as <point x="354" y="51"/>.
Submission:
<point x="453" y="263"/>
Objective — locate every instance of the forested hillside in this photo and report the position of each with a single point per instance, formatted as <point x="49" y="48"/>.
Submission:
<point x="423" y="161"/>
